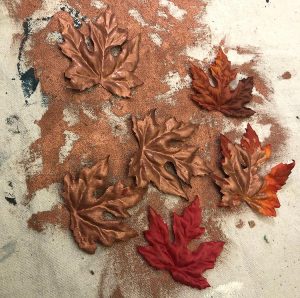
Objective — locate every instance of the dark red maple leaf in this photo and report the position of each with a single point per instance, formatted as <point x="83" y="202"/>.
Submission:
<point x="213" y="91"/>
<point x="185" y="266"/>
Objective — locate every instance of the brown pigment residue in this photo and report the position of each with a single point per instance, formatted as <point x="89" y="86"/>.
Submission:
<point x="278" y="135"/>
<point x="251" y="224"/>
<point x="286" y="75"/>
<point x="22" y="9"/>
<point x="58" y="216"/>
<point x="239" y="224"/>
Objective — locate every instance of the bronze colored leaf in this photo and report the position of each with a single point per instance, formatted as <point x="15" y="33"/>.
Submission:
<point x="157" y="149"/>
<point x="89" y="213"/>
<point x="219" y="96"/>
<point x="241" y="164"/>
<point x="93" y="61"/>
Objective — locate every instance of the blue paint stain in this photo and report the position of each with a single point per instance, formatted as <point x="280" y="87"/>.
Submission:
<point x="28" y="80"/>
<point x="7" y="250"/>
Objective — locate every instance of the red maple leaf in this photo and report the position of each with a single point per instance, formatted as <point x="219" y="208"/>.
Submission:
<point x="185" y="266"/>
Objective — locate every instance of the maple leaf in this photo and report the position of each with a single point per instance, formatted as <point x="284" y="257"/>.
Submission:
<point x="184" y="265"/>
<point x="89" y="220"/>
<point x="219" y="96"/>
<point x="93" y="62"/>
<point x="157" y="149"/>
<point x="241" y="164"/>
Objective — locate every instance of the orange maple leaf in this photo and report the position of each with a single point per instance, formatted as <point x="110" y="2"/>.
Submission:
<point x="219" y="96"/>
<point x="241" y="164"/>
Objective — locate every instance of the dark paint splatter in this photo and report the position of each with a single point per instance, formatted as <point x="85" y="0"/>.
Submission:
<point x="251" y="223"/>
<point x="240" y="224"/>
<point x="92" y="272"/>
<point x="11" y="200"/>
<point x="28" y="80"/>
<point x="12" y="119"/>
<point x="13" y="122"/>
<point x="74" y="14"/>
<point x="44" y="101"/>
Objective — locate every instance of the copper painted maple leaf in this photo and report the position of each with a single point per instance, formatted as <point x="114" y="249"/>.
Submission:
<point x="185" y="266"/>
<point x="241" y="164"/>
<point x="219" y="96"/>
<point x="89" y="221"/>
<point x="93" y="61"/>
<point x="157" y="150"/>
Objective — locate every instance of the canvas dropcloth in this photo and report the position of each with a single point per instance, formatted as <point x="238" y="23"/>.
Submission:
<point x="49" y="264"/>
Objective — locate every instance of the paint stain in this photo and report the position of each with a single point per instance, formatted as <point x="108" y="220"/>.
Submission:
<point x="28" y="80"/>
<point x="45" y="101"/>
<point x="13" y="123"/>
<point x="251" y="223"/>
<point x="11" y="200"/>
<point x="286" y="75"/>
<point x="240" y="224"/>
<point x="7" y="250"/>
<point x="75" y="14"/>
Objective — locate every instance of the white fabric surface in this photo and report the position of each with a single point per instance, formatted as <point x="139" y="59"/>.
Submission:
<point x="50" y="264"/>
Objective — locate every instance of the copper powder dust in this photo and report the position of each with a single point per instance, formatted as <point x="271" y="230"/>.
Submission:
<point x="58" y="216"/>
<point x="20" y="10"/>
